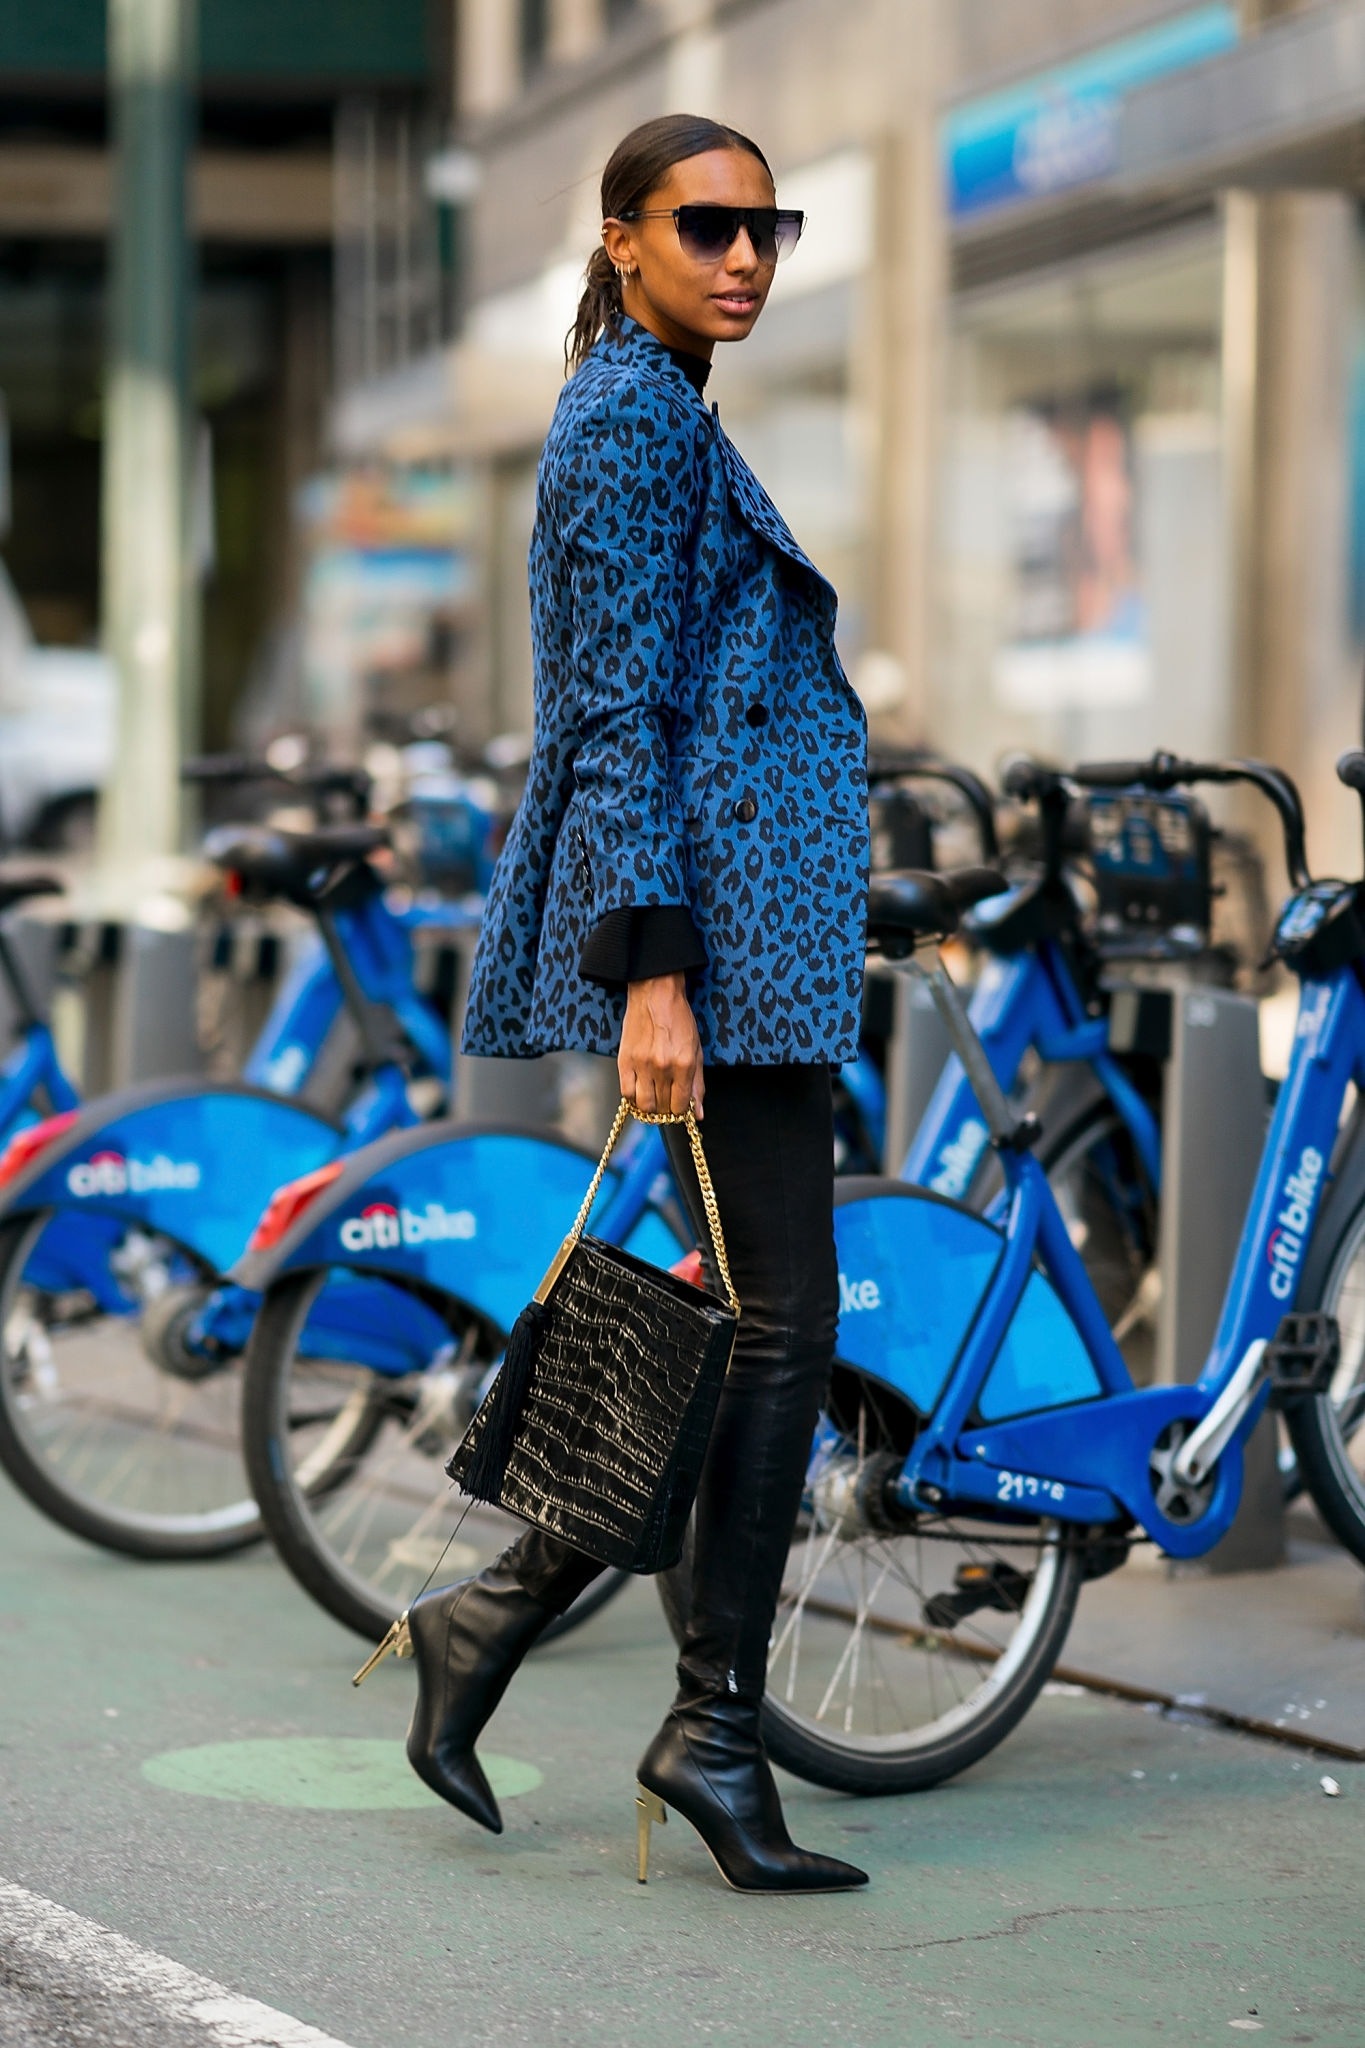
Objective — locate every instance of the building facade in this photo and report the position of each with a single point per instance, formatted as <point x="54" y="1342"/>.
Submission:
<point x="1078" y="447"/>
<point x="284" y="92"/>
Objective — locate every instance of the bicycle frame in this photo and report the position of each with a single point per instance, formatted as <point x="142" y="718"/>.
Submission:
<point x="1088" y="1461"/>
<point x="304" y="1010"/>
<point x="1024" y="1002"/>
<point x="377" y="942"/>
<point x="32" y="1067"/>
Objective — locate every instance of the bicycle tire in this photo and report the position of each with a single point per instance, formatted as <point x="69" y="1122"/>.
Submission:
<point x="181" y="1534"/>
<point x="822" y="1754"/>
<point x="1322" y="1445"/>
<point x="287" y="1507"/>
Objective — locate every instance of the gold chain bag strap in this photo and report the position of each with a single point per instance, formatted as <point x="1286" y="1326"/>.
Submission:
<point x="597" y="1423"/>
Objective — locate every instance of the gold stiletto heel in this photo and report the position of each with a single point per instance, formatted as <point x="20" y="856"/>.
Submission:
<point x="398" y="1640"/>
<point x="648" y="1809"/>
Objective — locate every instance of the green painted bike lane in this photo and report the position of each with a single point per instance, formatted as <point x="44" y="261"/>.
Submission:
<point x="183" y="1759"/>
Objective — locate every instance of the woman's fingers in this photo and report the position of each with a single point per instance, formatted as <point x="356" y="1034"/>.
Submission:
<point x="660" y="1055"/>
<point x="679" y="1088"/>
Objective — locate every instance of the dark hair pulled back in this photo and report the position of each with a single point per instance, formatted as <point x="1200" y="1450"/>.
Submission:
<point x="635" y="167"/>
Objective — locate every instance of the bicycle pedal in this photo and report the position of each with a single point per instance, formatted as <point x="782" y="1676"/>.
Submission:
<point x="1302" y="1356"/>
<point x="996" y="1585"/>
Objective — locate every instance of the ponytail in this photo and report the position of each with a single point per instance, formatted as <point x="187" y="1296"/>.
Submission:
<point x="599" y="309"/>
<point x="636" y="166"/>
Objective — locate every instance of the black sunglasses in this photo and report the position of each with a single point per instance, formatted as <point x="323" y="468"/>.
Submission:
<point x="708" y="232"/>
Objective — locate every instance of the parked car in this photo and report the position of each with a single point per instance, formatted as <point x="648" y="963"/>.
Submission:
<point x="57" y="727"/>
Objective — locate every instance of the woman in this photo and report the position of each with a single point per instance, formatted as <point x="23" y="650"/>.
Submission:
<point x="683" y="885"/>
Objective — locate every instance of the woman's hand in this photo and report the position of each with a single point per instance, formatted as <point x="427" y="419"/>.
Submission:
<point x="660" y="1058"/>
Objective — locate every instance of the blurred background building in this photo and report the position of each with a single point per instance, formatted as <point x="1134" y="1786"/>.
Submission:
<point x="1064" y="388"/>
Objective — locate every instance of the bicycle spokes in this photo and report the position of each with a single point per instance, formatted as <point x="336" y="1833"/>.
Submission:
<point x="889" y="1626"/>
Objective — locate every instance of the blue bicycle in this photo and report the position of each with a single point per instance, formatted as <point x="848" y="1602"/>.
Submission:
<point x="119" y="1386"/>
<point x="984" y="1450"/>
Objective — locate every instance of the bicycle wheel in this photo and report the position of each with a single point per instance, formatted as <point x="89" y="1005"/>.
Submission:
<point x="101" y="1436"/>
<point x="348" y="1462"/>
<point x="1110" y="1209"/>
<point x="1326" y="1431"/>
<point x="904" y="1649"/>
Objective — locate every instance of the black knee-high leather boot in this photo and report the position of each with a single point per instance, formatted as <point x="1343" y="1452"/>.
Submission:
<point x="708" y="1759"/>
<point x="467" y="1641"/>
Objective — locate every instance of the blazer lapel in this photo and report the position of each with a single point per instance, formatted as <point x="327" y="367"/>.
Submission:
<point x="636" y="345"/>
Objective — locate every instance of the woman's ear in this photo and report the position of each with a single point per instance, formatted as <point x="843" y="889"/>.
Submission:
<point x="619" y="244"/>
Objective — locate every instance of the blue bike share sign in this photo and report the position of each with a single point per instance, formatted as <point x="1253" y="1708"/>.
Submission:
<point x="1059" y="129"/>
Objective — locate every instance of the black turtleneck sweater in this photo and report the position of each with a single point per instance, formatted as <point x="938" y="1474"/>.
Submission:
<point x="636" y="944"/>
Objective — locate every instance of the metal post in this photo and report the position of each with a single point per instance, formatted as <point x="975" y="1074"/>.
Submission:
<point x="148" y="571"/>
<point x="915" y="1058"/>
<point x="1211" y="1146"/>
<point x="32" y="942"/>
<point x="154" y="1024"/>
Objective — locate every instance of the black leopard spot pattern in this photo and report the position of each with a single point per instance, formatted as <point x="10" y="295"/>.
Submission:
<point x="696" y="739"/>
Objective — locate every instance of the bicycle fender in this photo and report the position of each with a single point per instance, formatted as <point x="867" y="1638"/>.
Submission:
<point x="913" y="1268"/>
<point x="474" y="1211"/>
<point x="196" y="1162"/>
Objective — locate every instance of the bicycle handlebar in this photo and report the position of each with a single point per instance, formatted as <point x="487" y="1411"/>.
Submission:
<point x="1028" y="781"/>
<point x="224" y="770"/>
<point x="1166" y="771"/>
<point x="894" y="765"/>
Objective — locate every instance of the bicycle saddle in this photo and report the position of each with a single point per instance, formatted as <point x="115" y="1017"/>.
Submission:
<point x="18" y="888"/>
<point x="297" y="865"/>
<point x="907" y="908"/>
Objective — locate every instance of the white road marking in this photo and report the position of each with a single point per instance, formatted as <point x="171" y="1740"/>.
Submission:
<point x="117" y="1967"/>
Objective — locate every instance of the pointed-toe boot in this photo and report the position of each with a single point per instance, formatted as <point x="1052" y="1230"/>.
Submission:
<point x="467" y="1641"/>
<point x="708" y="1762"/>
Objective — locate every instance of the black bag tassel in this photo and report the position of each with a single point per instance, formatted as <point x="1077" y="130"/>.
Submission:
<point x="505" y="1400"/>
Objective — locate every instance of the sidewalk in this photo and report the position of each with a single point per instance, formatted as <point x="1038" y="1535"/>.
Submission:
<point x="182" y="1760"/>
<point x="1281" y="1653"/>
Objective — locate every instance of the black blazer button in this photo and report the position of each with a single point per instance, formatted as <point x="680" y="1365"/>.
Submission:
<point x="756" y="715"/>
<point x="746" y="810"/>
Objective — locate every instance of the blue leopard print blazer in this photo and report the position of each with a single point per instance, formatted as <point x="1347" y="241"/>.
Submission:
<point x="696" y="740"/>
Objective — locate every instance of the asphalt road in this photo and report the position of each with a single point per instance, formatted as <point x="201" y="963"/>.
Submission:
<point x="183" y="1762"/>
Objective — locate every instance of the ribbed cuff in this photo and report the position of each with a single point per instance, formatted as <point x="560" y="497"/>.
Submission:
<point x="637" y="943"/>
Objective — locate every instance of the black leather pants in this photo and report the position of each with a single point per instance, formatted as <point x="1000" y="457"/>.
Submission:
<point x="769" y="1145"/>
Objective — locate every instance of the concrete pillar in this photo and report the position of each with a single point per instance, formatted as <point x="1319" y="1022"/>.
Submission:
<point x="1288" y="317"/>
<point x="898" y="377"/>
<point x="575" y="29"/>
<point x="1289" y="289"/>
<point x="488" y="58"/>
<point x="149" y="628"/>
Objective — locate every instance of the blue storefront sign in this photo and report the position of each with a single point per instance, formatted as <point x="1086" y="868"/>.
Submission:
<point x="1059" y="129"/>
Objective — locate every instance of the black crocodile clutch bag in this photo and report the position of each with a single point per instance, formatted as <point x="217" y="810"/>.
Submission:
<point x="597" y="1424"/>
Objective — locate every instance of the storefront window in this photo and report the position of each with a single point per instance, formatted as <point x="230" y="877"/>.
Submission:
<point x="1082" y="533"/>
